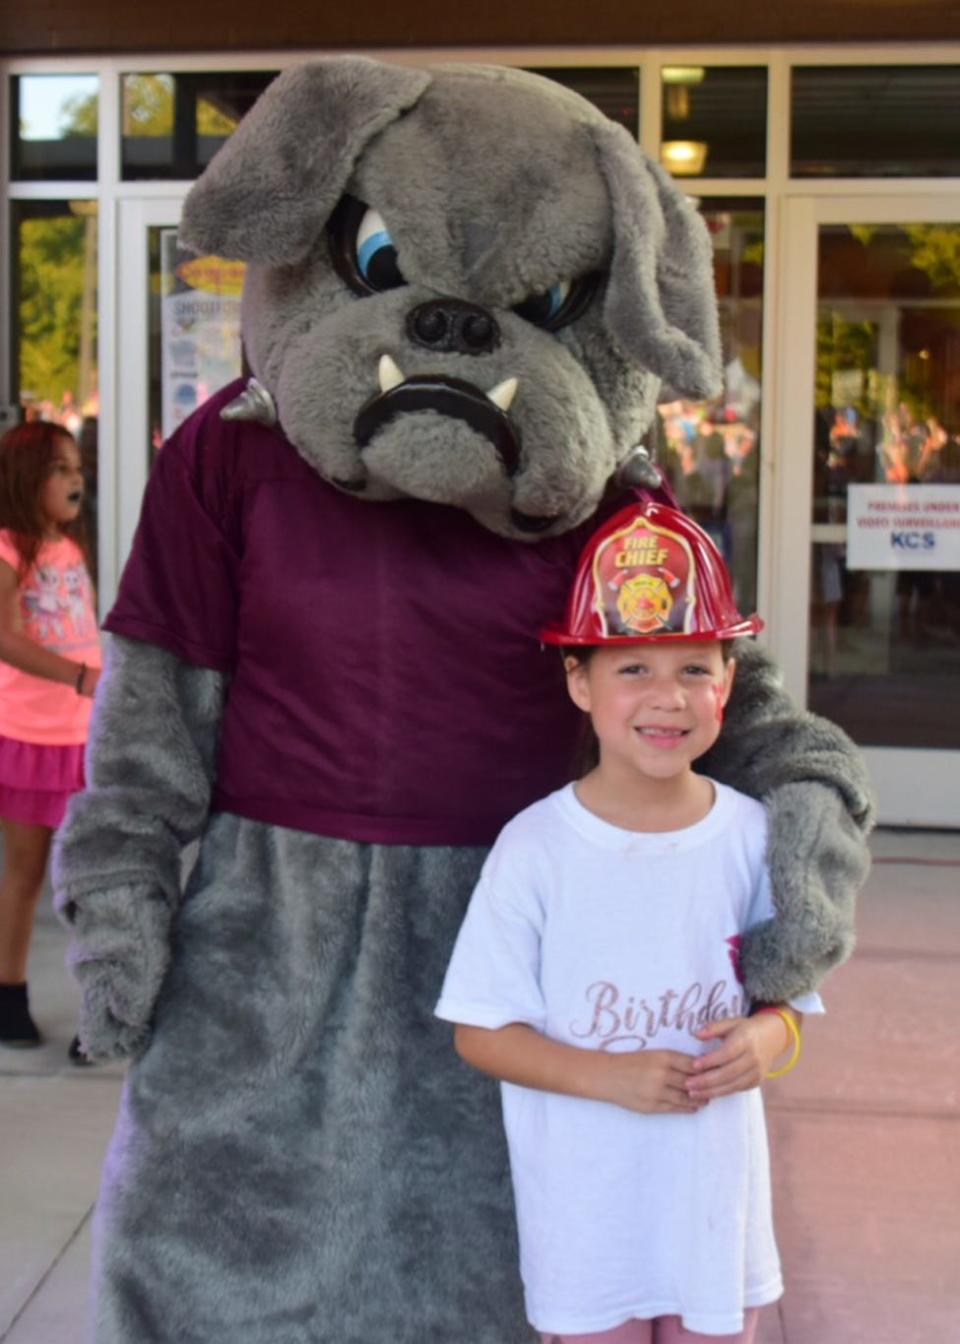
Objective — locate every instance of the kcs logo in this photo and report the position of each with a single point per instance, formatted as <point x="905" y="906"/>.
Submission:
<point x="913" y="541"/>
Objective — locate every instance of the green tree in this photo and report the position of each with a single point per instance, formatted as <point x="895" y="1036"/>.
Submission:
<point x="936" y="252"/>
<point x="55" y="288"/>
<point x="844" y="347"/>
<point x="80" y="115"/>
<point x="148" y="104"/>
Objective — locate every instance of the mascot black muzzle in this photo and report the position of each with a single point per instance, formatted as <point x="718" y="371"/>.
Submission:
<point x="453" y="397"/>
<point x="460" y="400"/>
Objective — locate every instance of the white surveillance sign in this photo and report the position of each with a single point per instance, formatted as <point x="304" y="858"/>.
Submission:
<point x="903" y="527"/>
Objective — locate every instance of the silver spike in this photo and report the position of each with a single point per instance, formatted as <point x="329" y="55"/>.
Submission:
<point x="253" y="403"/>
<point x="638" y="468"/>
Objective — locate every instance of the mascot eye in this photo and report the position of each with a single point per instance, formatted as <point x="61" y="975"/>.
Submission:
<point x="377" y="253"/>
<point x="543" y="308"/>
<point x="361" y="249"/>
<point x="562" y="303"/>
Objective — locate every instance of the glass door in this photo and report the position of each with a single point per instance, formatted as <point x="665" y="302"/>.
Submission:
<point x="866" y="594"/>
<point x="178" y="341"/>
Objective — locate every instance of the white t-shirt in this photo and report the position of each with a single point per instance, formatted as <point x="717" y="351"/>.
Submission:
<point x="611" y="939"/>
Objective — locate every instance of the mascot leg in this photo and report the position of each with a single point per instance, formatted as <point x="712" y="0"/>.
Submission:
<point x="300" y="1157"/>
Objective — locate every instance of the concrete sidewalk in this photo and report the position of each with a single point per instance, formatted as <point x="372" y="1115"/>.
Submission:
<point x="865" y="1134"/>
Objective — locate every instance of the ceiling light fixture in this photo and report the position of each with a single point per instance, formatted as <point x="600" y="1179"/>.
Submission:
<point x="684" y="158"/>
<point x="682" y="74"/>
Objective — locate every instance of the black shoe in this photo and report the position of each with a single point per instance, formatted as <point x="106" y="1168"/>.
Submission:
<point x="18" y="1031"/>
<point x="77" y="1055"/>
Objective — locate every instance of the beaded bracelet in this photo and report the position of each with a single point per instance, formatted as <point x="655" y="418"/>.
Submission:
<point x="794" y="1030"/>
<point x="78" y="685"/>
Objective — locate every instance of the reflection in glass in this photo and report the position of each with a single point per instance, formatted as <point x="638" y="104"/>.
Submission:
<point x="174" y="124"/>
<point x="711" y="450"/>
<point x="194" y="333"/>
<point x="875" y="121"/>
<point x="56" y="121"/>
<point x="55" y="324"/>
<point x="885" y="642"/>
<point x="714" y="120"/>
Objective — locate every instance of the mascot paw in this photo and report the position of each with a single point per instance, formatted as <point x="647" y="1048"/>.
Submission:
<point x="780" y="961"/>
<point x="102" y="1037"/>
<point x="119" y="953"/>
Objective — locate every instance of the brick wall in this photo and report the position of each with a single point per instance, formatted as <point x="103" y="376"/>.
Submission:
<point x="106" y="26"/>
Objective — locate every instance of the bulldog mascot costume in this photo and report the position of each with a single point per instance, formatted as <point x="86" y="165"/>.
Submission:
<point x="464" y="289"/>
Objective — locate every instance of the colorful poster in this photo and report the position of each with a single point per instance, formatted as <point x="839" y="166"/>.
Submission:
<point x="200" y="328"/>
<point x="903" y="527"/>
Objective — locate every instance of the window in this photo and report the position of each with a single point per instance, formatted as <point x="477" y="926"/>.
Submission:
<point x="174" y="124"/>
<point x="711" y="450"/>
<point x="875" y="121"/>
<point x="714" y="120"/>
<point x="54" y="273"/>
<point x="54" y="127"/>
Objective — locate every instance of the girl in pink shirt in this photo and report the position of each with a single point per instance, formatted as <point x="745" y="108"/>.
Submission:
<point x="49" y="668"/>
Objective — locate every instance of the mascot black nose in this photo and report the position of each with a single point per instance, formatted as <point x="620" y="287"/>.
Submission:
<point x="453" y="326"/>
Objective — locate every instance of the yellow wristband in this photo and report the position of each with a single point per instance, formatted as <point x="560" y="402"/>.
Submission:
<point x="794" y="1032"/>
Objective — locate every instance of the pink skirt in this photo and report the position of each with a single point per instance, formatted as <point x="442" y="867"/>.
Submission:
<point x="36" y="781"/>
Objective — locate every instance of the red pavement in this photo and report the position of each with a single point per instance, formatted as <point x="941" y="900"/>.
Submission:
<point x="865" y="1132"/>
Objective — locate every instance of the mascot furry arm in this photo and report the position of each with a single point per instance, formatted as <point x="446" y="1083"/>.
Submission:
<point x="152" y="774"/>
<point x="150" y="778"/>
<point x="315" y="326"/>
<point x="820" y="806"/>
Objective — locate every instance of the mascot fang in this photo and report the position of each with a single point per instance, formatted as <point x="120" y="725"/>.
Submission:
<point x="464" y="289"/>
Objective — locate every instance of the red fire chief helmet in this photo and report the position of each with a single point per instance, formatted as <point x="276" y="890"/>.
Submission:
<point x="650" y="573"/>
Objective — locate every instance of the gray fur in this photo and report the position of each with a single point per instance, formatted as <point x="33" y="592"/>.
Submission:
<point x="821" y="809"/>
<point x="117" y="859"/>
<point x="119" y="954"/>
<point x="267" y="194"/>
<point x="538" y="211"/>
<point x="659" y="302"/>
<point x="560" y="193"/>
<point x="298" y="1084"/>
<point x="818" y="862"/>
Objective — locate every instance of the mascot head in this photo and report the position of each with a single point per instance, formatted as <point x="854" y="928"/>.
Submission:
<point x="464" y="285"/>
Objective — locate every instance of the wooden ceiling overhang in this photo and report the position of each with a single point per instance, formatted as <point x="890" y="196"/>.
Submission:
<point x="64" y="27"/>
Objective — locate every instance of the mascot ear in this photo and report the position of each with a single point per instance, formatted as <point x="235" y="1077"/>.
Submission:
<point x="268" y="192"/>
<point x="660" y="304"/>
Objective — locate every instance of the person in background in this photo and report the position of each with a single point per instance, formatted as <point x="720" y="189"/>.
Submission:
<point x="49" y="668"/>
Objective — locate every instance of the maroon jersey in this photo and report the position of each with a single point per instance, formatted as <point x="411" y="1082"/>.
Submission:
<point x="386" y="679"/>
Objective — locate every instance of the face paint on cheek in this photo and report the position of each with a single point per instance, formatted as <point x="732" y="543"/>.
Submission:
<point x="718" y="708"/>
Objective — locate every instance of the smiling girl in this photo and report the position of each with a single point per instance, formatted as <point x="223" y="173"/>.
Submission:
<point x="597" y="976"/>
<point x="49" y="668"/>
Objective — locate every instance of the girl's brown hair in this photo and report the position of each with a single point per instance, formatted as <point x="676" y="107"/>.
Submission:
<point x="27" y="455"/>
